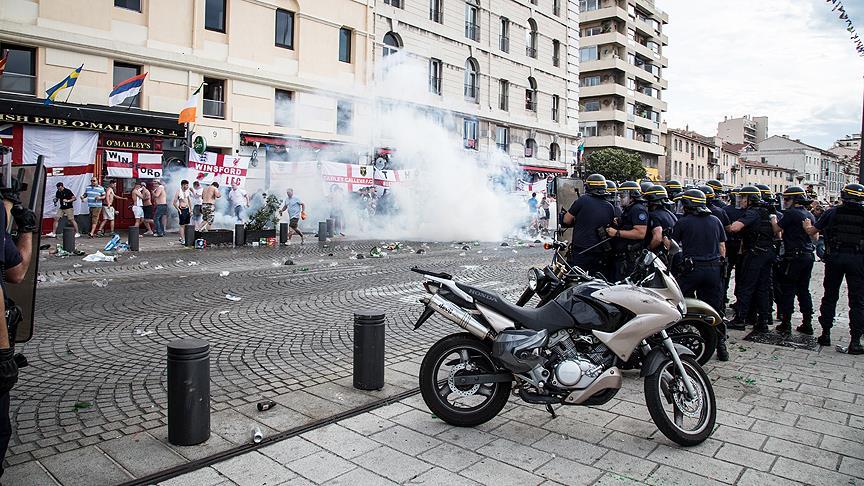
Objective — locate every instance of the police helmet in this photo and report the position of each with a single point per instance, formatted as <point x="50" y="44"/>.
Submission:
<point x="595" y="184"/>
<point x="766" y="192"/>
<point x="752" y="193"/>
<point x="611" y="190"/>
<point x="673" y="187"/>
<point x="655" y="194"/>
<point x="716" y="186"/>
<point x="645" y="185"/>
<point x="852" y="194"/>
<point x="693" y="200"/>
<point x="707" y="190"/>
<point x="631" y="187"/>
<point x="796" y="194"/>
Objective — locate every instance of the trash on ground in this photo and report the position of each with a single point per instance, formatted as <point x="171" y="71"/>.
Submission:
<point x="288" y="262"/>
<point x="222" y="313"/>
<point x="233" y="298"/>
<point x="100" y="283"/>
<point x="158" y="267"/>
<point x="515" y="251"/>
<point x="191" y="264"/>
<point x="266" y="405"/>
<point x="841" y="349"/>
<point x="224" y="273"/>
<point x="485" y="259"/>
<point x="179" y="261"/>
<point x="466" y="247"/>
<point x="142" y="332"/>
<point x="505" y="244"/>
<point x="329" y="254"/>
<point x="462" y="254"/>
<point x="257" y="436"/>
<point x="99" y="257"/>
<point x="333" y="264"/>
<point x="145" y="262"/>
<point x="421" y="251"/>
<point x="376" y="252"/>
<point x="76" y="265"/>
<point x="82" y="405"/>
<point x="112" y="243"/>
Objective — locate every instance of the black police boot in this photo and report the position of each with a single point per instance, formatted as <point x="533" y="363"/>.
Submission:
<point x="825" y="338"/>
<point x="761" y="327"/>
<point x="855" y="345"/>
<point x="785" y="327"/>
<point x="735" y="324"/>
<point x="722" y="352"/>
<point x="806" y="326"/>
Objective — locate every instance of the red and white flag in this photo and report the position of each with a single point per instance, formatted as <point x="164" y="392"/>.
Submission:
<point x="227" y="170"/>
<point x="133" y="164"/>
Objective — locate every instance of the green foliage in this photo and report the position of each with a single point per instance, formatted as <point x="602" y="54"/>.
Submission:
<point x="615" y="164"/>
<point x="266" y="216"/>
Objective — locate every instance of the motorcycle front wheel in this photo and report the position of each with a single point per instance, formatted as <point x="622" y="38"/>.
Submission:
<point x="687" y="421"/>
<point x="461" y="405"/>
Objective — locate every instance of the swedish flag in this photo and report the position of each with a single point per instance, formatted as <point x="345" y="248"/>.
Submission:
<point x="66" y="83"/>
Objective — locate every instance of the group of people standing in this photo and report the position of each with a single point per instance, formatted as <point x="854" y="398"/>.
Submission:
<point x="767" y="248"/>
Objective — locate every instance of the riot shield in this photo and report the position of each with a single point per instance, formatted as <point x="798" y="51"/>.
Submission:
<point x="567" y="190"/>
<point x="29" y="182"/>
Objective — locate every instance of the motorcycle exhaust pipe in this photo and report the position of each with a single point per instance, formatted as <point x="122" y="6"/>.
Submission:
<point x="460" y="316"/>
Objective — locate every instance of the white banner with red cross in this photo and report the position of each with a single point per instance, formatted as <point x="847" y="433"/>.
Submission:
<point x="227" y="170"/>
<point x="133" y="164"/>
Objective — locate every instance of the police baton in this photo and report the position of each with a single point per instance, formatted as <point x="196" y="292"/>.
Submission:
<point x="586" y="250"/>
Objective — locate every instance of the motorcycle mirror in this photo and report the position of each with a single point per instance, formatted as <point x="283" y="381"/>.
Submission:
<point x="674" y="249"/>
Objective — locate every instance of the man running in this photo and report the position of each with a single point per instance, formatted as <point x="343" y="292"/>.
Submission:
<point x="208" y="205"/>
<point x="239" y="199"/>
<point x="295" y="209"/>
<point x="108" y="211"/>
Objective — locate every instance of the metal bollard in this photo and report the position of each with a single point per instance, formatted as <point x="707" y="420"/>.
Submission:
<point x="322" y="231"/>
<point x="239" y="235"/>
<point x="283" y="233"/>
<point x="188" y="392"/>
<point x="69" y="238"/>
<point x="134" y="233"/>
<point x="369" y="350"/>
<point x="189" y="235"/>
<point x="330" y="226"/>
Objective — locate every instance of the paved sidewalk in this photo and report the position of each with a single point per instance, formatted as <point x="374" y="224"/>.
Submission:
<point x="784" y="417"/>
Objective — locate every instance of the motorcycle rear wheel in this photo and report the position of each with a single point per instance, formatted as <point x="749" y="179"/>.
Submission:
<point x="465" y="406"/>
<point x="665" y="393"/>
<point x="697" y="336"/>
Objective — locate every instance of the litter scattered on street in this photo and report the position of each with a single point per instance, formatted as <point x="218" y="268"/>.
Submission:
<point x="142" y="332"/>
<point x="76" y="265"/>
<point x="266" y="405"/>
<point x="100" y="283"/>
<point x="257" y="436"/>
<point x="289" y="262"/>
<point x="99" y="257"/>
<point x="192" y="264"/>
<point x="224" y="273"/>
<point x="233" y="298"/>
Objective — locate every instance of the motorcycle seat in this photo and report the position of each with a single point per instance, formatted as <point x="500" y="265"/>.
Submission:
<point x="550" y="316"/>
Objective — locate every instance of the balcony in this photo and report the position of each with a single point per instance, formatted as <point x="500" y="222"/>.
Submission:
<point x="504" y="43"/>
<point x="472" y="31"/>
<point x="604" y="13"/>
<point x="214" y="108"/>
<point x="18" y="83"/>
<point x="604" y="64"/>
<point x="603" y="89"/>
<point x="603" y="115"/>
<point x="623" y="142"/>
<point x="713" y="161"/>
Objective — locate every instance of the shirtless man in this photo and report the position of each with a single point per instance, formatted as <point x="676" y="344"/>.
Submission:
<point x="160" y="198"/>
<point x="138" y="202"/>
<point x="208" y="205"/>
<point x="108" y="212"/>
<point x="183" y="203"/>
<point x="195" y="194"/>
<point x="147" y="205"/>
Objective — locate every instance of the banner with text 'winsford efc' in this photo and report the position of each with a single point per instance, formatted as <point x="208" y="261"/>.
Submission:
<point x="227" y="170"/>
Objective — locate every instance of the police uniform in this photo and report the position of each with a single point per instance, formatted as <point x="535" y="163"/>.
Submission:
<point x="592" y="213"/>
<point x="794" y="268"/>
<point x="753" y="285"/>
<point x="733" y="250"/>
<point x="10" y="257"/>
<point x="843" y="227"/>
<point x="700" y="275"/>
<point x="625" y="251"/>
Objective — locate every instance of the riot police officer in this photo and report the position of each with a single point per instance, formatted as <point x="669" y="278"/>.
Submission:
<point x="673" y="188"/>
<point x="719" y="192"/>
<point x="589" y="216"/>
<point x="796" y="264"/>
<point x="703" y="248"/>
<point x="753" y="284"/>
<point x="645" y="185"/>
<point x="843" y="227"/>
<point x="660" y="219"/>
<point x="628" y="232"/>
<point x="733" y="243"/>
<point x="612" y="196"/>
<point x="716" y="210"/>
<point x="769" y="203"/>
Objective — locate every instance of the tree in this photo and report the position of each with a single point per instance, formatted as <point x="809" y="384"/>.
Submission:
<point x="266" y="216"/>
<point x="615" y="164"/>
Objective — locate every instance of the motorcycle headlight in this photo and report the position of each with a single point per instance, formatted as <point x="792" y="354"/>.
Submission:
<point x="533" y="278"/>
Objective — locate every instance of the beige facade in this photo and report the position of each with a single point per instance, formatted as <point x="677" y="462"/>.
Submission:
<point x="775" y="177"/>
<point x="747" y="129"/>
<point x="690" y="157"/>
<point x="621" y="77"/>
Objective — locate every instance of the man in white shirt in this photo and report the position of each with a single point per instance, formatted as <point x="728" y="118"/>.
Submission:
<point x="239" y="199"/>
<point x="182" y="203"/>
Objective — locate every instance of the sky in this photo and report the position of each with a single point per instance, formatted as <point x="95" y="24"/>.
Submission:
<point x="789" y="60"/>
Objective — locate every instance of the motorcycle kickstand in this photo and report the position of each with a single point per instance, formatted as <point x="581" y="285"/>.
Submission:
<point x="551" y="410"/>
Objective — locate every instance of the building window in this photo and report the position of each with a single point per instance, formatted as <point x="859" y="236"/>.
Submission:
<point x="591" y="105"/>
<point x="214" y="15"/>
<point x="554" y="151"/>
<point x="504" y="95"/>
<point x="285" y="29"/>
<point x="504" y="38"/>
<point x="214" y="98"/>
<point x="391" y="43"/>
<point x="472" y="80"/>
<point x="588" y="5"/>
<point x="470" y="129"/>
<point x="588" y="54"/>
<point x="531" y="95"/>
<point x="556" y="101"/>
<point x="588" y="129"/>
<point x="128" y="4"/>
<point x="435" y="70"/>
<point x="502" y="139"/>
<point x="556" y="53"/>
<point x="122" y="72"/>
<point x="344" y="117"/>
<point x="472" y="20"/>
<point x="436" y="11"/>
<point x="556" y="8"/>
<point x="283" y="108"/>
<point x="531" y="39"/>
<point x="345" y="44"/>
<point x="589" y="31"/>
<point x="589" y="81"/>
<point x="20" y="73"/>
<point x="395" y="3"/>
<point x="530" y="148"/>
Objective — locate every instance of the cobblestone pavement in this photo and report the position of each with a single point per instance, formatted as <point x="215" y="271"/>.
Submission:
<point x="785" y="415"/>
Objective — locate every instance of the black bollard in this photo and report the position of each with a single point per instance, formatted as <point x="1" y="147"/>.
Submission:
<point x="330" y="224"/>
<point x="189" y="235"/>
<point x="134" y="233"/>
<point x="369" y="350"/>
<point x="69" y="238"/>
<point x="239" y="235"/>
<point x="188" y="392"/>
<point x="322" y="231"/>
<point x="283" y="233"/>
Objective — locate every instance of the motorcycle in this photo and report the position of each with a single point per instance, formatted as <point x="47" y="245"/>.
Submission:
<point x="696" y="330"/>
<point x="568" y="351"/>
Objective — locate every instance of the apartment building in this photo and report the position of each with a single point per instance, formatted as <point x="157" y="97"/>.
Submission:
<point x="745" y="129"/>
<point x="505" y="72"/>
<point x="621" y="80"/>
<point x="813" y="166"/>
<point x="775" y="177"/>
<point x="690" y="157"/>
